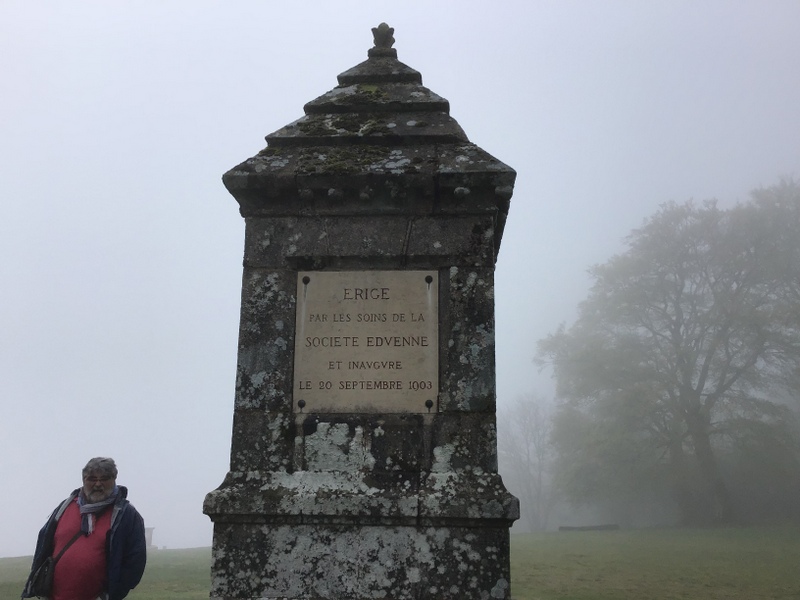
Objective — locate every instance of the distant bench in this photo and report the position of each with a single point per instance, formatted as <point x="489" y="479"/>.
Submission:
<point x="589" y="528"/>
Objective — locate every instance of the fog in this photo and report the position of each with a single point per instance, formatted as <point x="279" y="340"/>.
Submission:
<point x="121" y="249"/>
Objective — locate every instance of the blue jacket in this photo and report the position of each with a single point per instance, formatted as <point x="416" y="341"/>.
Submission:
<point x="126" y="548"/>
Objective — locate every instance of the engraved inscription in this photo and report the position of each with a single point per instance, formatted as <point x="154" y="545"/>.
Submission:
<point x="366" y="341"/>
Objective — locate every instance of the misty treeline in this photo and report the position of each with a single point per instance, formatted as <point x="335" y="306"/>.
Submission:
<point x="678" y="385"/>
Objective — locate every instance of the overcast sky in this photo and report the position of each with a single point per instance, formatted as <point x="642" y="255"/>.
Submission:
<point x="121" y="249"/>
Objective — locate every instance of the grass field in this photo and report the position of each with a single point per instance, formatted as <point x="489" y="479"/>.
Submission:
<point x="711" y="564"/>
<point x="708" y="564"/>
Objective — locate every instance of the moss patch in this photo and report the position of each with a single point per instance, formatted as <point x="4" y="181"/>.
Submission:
<point x="340" y="160"/>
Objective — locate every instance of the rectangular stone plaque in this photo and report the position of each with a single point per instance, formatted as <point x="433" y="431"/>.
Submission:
<point x="367" y="341"/>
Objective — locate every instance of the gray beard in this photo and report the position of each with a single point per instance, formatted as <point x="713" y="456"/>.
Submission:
<point x="97" y="496"/>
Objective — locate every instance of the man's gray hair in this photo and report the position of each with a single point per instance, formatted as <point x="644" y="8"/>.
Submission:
<point x="102" y="466"/>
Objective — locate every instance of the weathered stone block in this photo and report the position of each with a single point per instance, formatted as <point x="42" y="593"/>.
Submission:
<point x="465" y="241"/>
<point x="468" y="370"/>
<point x="261" y="442"/>
<point x="359" y="563"/>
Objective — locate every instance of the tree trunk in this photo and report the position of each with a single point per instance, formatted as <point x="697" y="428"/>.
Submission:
<point x="683" y="486"/>
<point x="719" y="506"/>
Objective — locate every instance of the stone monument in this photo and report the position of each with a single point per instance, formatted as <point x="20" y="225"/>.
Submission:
<point x="364" y="456"/>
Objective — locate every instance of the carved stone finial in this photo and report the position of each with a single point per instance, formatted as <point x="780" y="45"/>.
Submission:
<point x="384" y="36"/>
<point x="384" y="39"/>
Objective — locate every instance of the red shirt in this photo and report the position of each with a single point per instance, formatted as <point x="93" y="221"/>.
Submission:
<point x="81" y="571"/>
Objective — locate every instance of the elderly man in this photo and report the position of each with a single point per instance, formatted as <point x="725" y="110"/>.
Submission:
<point x="98" y="537"/>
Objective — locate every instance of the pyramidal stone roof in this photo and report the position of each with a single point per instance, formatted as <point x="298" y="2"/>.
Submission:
<point x="379" y="142"/>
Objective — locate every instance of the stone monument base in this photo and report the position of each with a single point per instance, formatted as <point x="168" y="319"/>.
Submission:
<point x="361" y="521"/>
<point x="358" y="563"/>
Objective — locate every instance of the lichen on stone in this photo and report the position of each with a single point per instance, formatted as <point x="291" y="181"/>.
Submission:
<point x="340" y="160"/>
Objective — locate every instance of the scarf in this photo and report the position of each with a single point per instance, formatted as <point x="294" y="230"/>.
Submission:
<point x="89" y="511"/>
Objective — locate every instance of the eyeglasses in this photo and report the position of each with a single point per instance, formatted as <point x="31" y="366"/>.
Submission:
<point x="98" y="479"/>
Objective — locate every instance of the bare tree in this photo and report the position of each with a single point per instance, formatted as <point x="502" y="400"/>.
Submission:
<point x="525" y="455"/>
